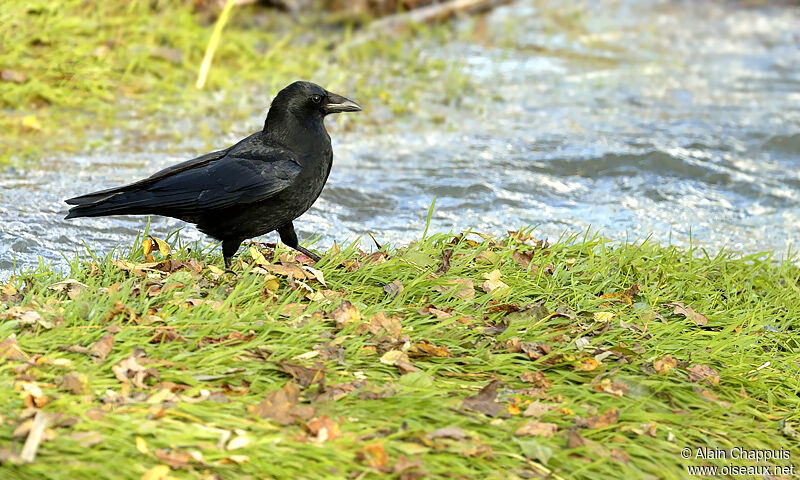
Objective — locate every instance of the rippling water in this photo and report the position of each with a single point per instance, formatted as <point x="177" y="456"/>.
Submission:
<point x="630" y="118"/>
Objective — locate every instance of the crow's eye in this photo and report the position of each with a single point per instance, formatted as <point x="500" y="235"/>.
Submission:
<point x="316" y="99"/>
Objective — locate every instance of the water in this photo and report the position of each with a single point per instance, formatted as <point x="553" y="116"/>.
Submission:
<point x="630" y="118"/>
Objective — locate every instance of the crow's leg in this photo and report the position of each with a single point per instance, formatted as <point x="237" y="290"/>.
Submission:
<point x="289" y="237"/>
<point x="229" y="248"/>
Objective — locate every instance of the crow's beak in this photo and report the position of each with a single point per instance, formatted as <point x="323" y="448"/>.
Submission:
<point x="337" y="103"/>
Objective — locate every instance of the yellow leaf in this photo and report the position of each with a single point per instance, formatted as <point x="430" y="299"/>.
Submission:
<point x="141" y="446"/>
<point x="163" y="248"/>
<point x="271" y="283"/>
<point x="159" y="472"/>
<point x="216" y="270"/>
<point x="147" y="246"/>
<point x="259" y="259"/>
<point x="31" y="122"/>
<point x="603" y="316"/>
<point x="586" y="364"/>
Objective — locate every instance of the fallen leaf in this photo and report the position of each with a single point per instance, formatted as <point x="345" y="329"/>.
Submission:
<point x="129" y="370"/>
<point x="179" y="459"/>
<point x="399" y="359"/>
<point x="9" y="75"/>
<point x="428" y="350"/>
<point x="484" y="401"/>
<point x="305" y="376"/>
<point x="141" y="446"/>
<point x="537" y="429"/>
<point x="32" y="394"/>
<point x="281" y="405"/>
<point x="345" y="314"/>
<point x="665" y="364"/>
<point x="493" y="282"/>
<point x="455" y="433"/>
<point x="70" y="286"/>
<point x="374" y="456"/>
<point x="586" y="364"/>
<point x="681" y="309"/>
<point x="536" y="378"/>
<point x="445" y="266"/>
<point x="537" y="409"/>
<point x="601" y="421"/>
<point x="239" y="441"/>
<point x="699" y="372"/>
<point x="393" y="289"/>
<point x="159" y="472"/>
<point x="380" y="324"/>
<point x="103" y="347"/>
<point x="31" y="122"/>
<point x="9" y="350"/>
<point x="77" y="383"/>
<point x="603" y="316"/>
<point x="625" y="296"/>
<point x="323" y="429"/>
<point x="615" y="388"/>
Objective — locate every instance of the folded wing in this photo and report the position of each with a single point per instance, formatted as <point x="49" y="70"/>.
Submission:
<point x="213" y="181"/>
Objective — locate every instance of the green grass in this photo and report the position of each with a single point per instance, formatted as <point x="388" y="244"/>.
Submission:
<point x="117" y="74"/>
<point x="206" y="388"/>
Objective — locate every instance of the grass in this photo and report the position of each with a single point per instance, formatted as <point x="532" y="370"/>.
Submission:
<point x="81" y="75"/>
<point x="584" y="332"/>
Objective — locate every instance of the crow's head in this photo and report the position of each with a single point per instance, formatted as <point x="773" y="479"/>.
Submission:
<point x="306" y="99"/>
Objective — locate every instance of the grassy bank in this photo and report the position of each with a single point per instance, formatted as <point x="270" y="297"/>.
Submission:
<point x="455" y="357"/>
<point x="78" y="75"/>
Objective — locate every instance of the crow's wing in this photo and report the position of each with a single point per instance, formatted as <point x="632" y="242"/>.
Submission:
<point x="95" y="197"/>
<point x="233" y="178"/>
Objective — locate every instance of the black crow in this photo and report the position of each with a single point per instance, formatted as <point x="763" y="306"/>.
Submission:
<point x="254" y="187"/>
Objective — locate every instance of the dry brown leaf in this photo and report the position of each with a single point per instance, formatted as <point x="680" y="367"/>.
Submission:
<point x="179" y="459"/>
<point x="399" y="359"/>
<point x="537" y="429"/>
<point x="345" y="314"/>
<point x="430" y="309"/>
<point x="129" y="370"/>
<point x="323" y="429"/>
<point x="484" y="401"/>
<point x="445" y="266"/>
<point x="380" y="324"/>
<point x="665" y="364"/>
<point x="537" y="409"/>
<point x="305" y="376"/>
<point x="625" y="296"/>
<point x="281" y="406"/>
<point x="9" y="350"/>
<point x="374" y="456"/>
<point x="428" y="350"/>
<point x="70" y="286"/>
<point x="536" y="378"/>
<point x="615" y="388"/>
<point x="77" y="383"/>
<point x="601" y="421"/>
<point x="103" y="347"/>
<point x="681" y="309"/>
<point x="523" y="258"/>
<point x="32" y="394"/>
<point x="455" y="433"/>
<point x="699" y="372"/>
